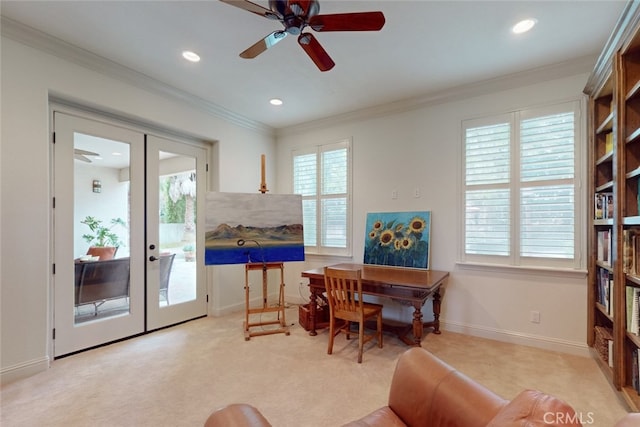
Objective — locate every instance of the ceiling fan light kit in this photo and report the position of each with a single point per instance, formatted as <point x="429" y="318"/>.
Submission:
<point x="296" y="16"/>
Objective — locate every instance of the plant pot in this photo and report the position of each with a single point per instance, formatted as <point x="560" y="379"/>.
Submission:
<point x="104" y="252"/>
<point x="189" y="256"/>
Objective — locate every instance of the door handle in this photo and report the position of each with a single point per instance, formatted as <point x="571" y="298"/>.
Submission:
<point x="153" y="258"/>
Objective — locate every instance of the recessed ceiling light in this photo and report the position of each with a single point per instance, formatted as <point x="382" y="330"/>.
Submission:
<point x="191" y="56"/>
<point x="275" y="101"/>
<point x="524" y="26"/>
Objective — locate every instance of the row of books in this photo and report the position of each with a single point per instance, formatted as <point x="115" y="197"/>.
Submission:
<point x="603" y="205"/>
<point x="635" y="371"/>
<point x="605" y="289"/>
<point x="633" y="310"/>
<point x="604" y="246"/>
<point x="631" y="251"/>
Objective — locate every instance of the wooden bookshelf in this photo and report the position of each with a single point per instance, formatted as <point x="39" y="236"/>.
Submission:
<point x="614" y="168"/>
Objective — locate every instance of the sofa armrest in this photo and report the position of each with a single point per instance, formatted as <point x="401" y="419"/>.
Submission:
<point x="425" y="391"/>
<point x="237" y="415"/>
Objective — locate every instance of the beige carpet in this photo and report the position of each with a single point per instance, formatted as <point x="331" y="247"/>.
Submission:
<point x="177" y="376"/>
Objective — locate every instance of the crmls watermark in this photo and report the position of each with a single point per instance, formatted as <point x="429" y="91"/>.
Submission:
<point x="561" y="418"/>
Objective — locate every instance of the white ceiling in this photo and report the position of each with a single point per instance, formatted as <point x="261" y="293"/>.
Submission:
<point x="425" y="47"/>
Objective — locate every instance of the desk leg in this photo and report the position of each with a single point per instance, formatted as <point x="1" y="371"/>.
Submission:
<point x="417" y="324"/>
<point x="435" y="324"/>
<point x="436" y="312"/>
<point x="313" y="300"/>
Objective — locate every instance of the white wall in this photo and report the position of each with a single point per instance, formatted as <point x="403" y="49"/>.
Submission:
<point x="420" y="148"/>
<point x="29" y="78"/>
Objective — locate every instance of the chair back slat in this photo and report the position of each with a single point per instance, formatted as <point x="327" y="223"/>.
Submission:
<point x="342" y="287"/>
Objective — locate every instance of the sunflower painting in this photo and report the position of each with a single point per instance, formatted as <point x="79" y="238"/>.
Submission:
<point x="400" y="239"/>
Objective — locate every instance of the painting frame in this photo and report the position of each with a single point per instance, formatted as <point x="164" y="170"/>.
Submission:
<point x="398" y="239"/>
<point x="246" y="228"/>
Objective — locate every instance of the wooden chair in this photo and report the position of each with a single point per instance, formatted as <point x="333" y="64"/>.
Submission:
<point x="344" y="293"/>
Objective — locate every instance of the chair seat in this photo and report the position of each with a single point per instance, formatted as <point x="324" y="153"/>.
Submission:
<point x="368" y="309"/>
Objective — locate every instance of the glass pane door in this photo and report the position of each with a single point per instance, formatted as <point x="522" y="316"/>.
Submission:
<point x="175" y="274"/>
<point x="98" y="222"/>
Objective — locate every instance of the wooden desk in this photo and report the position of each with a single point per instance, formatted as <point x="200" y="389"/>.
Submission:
<point x="408" y="286"/>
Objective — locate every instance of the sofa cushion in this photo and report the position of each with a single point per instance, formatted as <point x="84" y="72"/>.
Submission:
<point x="380" y="417"/>
<point x="533" y="408"/>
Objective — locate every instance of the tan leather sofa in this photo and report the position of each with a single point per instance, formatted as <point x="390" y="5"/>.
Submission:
<point x="426" y="392"/>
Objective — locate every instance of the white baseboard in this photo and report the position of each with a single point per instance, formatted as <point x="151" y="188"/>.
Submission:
<point x="23" y="370"/>
<point x="546" y="343"/>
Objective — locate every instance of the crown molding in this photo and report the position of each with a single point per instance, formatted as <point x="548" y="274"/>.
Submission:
<point x="536" y="75"/>
<point x="59" y="48"/>
<point x="626" y="25"/>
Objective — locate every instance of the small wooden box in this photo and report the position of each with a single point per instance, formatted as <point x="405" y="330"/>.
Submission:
<point x="322" y="316"/>
<point x="601" y="343"/>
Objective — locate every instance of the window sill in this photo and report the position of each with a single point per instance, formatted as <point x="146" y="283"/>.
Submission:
<point x="540" y="271"/>
<point x="325" y="257"/>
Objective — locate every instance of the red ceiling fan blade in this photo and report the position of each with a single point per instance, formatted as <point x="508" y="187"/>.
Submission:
<point x="315" y="51"/>
<point x="253" y="8"/>
<point x="262" y="45"/>
<point x="359" y="21"/>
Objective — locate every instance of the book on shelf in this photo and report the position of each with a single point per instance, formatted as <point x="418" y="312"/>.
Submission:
<point x="610" y="354"/>
<point x="603" y="205"/>
<point x="630" y="251"/>
<point x="608" y="142"/>
<point x="605" y="290"/>
<point x="604" y="246"/>
<point x="635" y="370"/>
<point x="628" y="264"/>
<point x="633" y="310"/>
<point x="635" y="381"/>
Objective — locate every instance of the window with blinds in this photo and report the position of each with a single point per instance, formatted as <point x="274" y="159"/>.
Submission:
<point x="321" y="175"/>
<point x="520" y="180"/>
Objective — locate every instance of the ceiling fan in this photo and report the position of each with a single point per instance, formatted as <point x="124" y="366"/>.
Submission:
<point x="296" y="15"/>
<point x="83" y="155"/>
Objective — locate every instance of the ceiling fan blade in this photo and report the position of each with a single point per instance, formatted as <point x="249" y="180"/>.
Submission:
<point x="262" y="45"/>
<point x="253" y="8"/>
<point x="81" y="158"/>
<point x="84" y="152"/>
<point x="359" y="21"/>
<point x="315" y="51"/>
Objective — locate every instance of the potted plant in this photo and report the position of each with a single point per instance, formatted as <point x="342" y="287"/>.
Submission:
<point x="103" y="241"/>
<point x="189" y="252"/>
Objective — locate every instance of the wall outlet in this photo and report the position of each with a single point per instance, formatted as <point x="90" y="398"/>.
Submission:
<point x="394" y="194"/>
<point x="416" y="192"/>
<point x="535" y="316"/>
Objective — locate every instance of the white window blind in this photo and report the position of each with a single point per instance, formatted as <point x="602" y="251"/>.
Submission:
<point x="520" y="179"/>
<point x="322" y="176"/>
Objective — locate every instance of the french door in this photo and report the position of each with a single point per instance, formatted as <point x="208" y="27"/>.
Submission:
<point x="126" y="207"/>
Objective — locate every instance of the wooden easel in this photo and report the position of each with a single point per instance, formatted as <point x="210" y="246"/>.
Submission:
<point x="279" y="308"/>
<point x="265" y="267"/>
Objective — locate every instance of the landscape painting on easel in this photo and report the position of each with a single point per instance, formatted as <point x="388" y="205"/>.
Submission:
<point x="244" y="227"/>
<point x="400" y="239"/>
